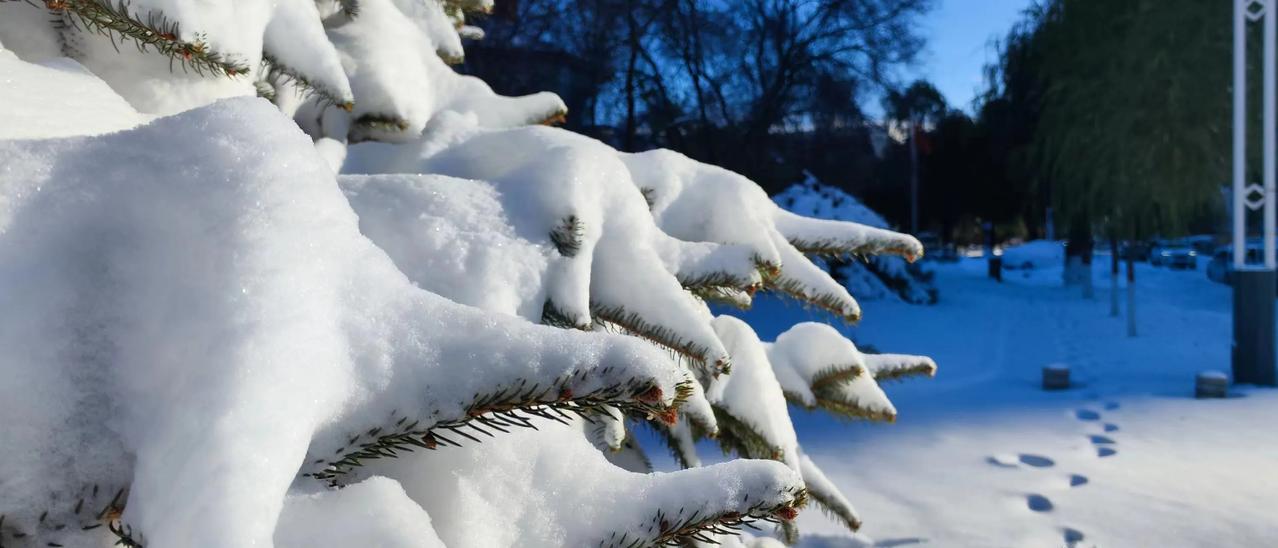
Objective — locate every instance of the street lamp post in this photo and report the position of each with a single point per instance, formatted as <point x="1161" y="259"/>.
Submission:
<point x="1253" y="353"/>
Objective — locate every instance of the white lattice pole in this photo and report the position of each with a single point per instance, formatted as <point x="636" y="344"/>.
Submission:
<point x="1254" y="352"/>
<point x="1240" y="131"/>
<point x="1269" y="139"/>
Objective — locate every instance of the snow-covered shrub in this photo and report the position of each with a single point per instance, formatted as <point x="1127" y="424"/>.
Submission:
<point x="882" y="276"/>
<point x="210" y="339"/>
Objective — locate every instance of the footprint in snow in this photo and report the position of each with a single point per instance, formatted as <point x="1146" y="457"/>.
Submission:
<point x="1005" y="460"/>
<point x="1038" y="503"/>
<point x="1076" y="480"/>
<point x="1111" y="427"/>
<point x="1072" y="536"/>
<point x="1086" y="415"/>
<point x="1037" y="461"/>
<point x="1103" y="452"/>
<point x="1101" y="440"/>
<point x="1112" y="406"/>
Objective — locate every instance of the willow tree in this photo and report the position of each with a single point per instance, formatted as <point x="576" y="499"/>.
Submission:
<point x="1134" y="131"/>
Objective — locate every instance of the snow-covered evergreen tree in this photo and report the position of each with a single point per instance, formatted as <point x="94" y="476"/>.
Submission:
<point x="222" y="331"/>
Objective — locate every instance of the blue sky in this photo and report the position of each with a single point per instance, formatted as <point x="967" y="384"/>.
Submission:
<point x="959" y="34"/>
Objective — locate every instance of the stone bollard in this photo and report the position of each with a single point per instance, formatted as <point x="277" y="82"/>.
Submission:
<point x="1056" y="377"/>
<point x="1211" y="384"/>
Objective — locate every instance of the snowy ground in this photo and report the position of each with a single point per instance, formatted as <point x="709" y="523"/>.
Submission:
<point x="981" y="456"/>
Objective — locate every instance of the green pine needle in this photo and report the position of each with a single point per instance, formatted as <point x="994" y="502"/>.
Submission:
<point x="152" y="32"/>
<point x="278" y="69"/>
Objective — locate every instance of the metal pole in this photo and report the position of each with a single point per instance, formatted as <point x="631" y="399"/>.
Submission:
<point x="1240" y="130"/>
<point x="1269" y="140"/>
<point x="1254" y="347"/>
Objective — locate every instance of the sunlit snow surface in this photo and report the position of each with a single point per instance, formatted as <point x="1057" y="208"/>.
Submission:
<point x="981" y="456"/>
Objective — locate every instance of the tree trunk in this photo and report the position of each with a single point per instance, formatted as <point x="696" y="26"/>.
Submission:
<point x="1131" y="297"/>
<point x="1113" y="278"/>
<point x="628" y="140"/>
<point x="1089" y="287"/>
<point x="1078" y="257"/>
<point x="914" y="178"/>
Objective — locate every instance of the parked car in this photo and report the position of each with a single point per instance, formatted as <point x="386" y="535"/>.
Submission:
<point x="1221" y="267"/>
<point x="1222" y="263"/>
<point x="1204" y="244"/>
<point x="1175" y="254"/>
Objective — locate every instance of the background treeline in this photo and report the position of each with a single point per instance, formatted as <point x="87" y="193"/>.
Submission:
<point x="1113" y="114"/>
<point x="767" y="88"/>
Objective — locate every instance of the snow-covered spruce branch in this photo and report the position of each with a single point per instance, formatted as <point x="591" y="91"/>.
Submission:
<point x="843" y="239"/>
<point x="302" y="319"/>
<point x="349" y="7"/>
<point x="469" y="6"/>
<point x="889" y="367"/>
<point x="817" y="367"/>
<point x="613" y="219"/>
<point x="834" y="374"/>
<point x="858" y="398"/>
<point x="715" y="272"/>
<point x="124" y="535"/>
<point x="618" y="319"/>
<point x="509" y="215"/>
<point x="276" y="70"/>
<point x="92" y="507"/>
<point x="827" y="495"/>
<point x="379" y="127"/>
<point x="742" y="438"/>
<point x="684" y="526"/>
<point x="722" y="288"/>
<point x="552" y="315"/>
<point x="567" y="235"/>
<point x="397" y="94"/>
<point x="605" y="427"/>
<point x="834" y="302"/>
<point x="514" y="407"/>
<point x="150" y="31"/>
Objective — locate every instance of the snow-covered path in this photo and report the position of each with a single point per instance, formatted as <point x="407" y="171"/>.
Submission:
<point x="981" y="456"/>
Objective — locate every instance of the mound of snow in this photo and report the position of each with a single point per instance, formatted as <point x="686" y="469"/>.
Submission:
<point x="876" y="277"/>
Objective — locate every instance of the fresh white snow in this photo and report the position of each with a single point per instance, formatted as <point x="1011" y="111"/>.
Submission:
<point x="982" y="456"/>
